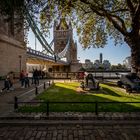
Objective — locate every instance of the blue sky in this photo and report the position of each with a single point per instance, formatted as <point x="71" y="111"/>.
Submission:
<point x="115" y="54"/>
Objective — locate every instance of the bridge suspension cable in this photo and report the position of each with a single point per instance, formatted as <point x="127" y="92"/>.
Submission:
<point x="50" y="45"/>
<point x="42" y="40"/>
<point x="38" y="34"/>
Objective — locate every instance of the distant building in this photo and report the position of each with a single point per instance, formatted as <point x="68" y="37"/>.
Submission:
<point x="88" y="64"/>
<point x="101" y="58"/>
<point x="96" y="64"/>
<point x="127" y="62"/>
<point x="106" y="64"/>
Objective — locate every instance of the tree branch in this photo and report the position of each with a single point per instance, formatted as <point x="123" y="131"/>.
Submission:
<point x="104" y="13"/>
<point x="119" y="10"/>
<point x="122" y="28"/>
<point x="137" y="10"/>
<point x="130" y="6"/>
<point x="121" y="21"/>
<point x="85" y="10"/>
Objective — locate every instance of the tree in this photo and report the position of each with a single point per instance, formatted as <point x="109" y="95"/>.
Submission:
<point x="97" y="20"/>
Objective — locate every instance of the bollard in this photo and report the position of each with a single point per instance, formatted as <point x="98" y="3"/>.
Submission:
<point x="36" y="90"/>
<point x="47" y="108"/>
<point x="49" y="83"/>
<point x="44" y="85"/>
<point x="96" y="108"/>
<point x="15" y="103"/>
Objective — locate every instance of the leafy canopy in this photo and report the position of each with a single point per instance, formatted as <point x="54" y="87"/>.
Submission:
<point x="95" y="20"/>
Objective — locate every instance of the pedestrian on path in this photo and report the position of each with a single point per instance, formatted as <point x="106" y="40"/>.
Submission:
<point x="11" y="80"/>
<point x="22" y="78"/>
<point x="6" y="84"/>
<point x="36" y="77"/>
<point x="27" y="82"/>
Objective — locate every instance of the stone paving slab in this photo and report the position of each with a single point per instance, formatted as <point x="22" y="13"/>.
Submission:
<point x="18" y="122"/>
<point x="73" y="116"/>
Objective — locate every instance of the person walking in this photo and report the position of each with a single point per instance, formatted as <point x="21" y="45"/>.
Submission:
<point x="33" y="77"/>
<point x="27" y="82"/>
<point x="36" y="77"/>
<point x="22" y="78"/>
<point x="11" y="80"/>
<point x="6" y="84"/>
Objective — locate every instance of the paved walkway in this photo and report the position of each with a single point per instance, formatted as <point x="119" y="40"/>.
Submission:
<point x="25" y="94"/>
<point x="71" y="131"/>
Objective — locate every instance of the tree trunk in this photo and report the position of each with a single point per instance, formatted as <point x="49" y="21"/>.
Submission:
<point x="134" y="44"/>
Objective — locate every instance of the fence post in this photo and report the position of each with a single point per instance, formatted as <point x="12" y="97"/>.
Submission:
<point x="44" y="85"/>
<point x="49" y="83"/>
<point x="15" y="103"/>
<point x="36" y="90"/>
<point x="47" y="108"/>
<point x="121" y="107"/>
<point x="96" y="108"/>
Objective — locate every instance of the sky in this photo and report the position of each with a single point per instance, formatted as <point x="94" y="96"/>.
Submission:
<point x="115" y="54"/>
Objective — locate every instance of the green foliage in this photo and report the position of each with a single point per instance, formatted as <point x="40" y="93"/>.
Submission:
<point x="95" y="20"/>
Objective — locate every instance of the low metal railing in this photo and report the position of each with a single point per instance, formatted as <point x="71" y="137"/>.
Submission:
<point x="32" y="93"/>
<point x="96" y="104"/>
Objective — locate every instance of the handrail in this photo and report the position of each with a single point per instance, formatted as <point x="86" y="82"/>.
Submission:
<point x="53" y="102"/>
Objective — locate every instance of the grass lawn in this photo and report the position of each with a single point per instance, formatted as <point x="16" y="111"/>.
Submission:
<point x="69" y="92"/>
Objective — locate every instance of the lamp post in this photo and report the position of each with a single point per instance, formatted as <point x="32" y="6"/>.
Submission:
<point x="20" y="57"/>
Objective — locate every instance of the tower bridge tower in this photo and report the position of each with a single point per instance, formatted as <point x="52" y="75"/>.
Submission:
<point x="62" y="32"/>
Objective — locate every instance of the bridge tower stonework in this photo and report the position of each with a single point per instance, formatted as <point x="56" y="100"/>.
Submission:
<point x="62" y="32"/>
<point x="12" y="45"/>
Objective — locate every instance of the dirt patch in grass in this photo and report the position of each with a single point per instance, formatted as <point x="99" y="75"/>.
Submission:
<point x="81" y="91"/>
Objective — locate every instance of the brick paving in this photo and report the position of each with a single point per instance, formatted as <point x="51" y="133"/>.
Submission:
<point x="70" y="132"/>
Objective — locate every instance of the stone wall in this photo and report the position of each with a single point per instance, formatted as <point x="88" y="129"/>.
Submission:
<point x="12" y="55"/>
<point x="12" y="46"/>
<point x="75" y="67"/>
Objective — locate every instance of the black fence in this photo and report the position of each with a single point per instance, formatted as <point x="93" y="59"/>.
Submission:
<point x="29" y="95"/>
<point x="96" y="104"/>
